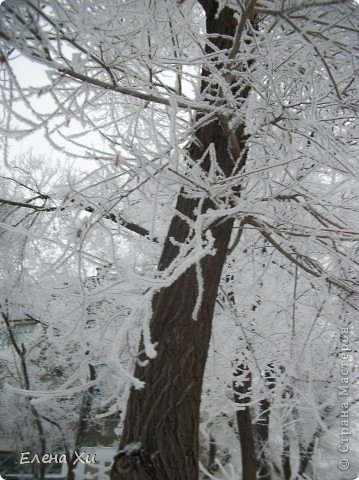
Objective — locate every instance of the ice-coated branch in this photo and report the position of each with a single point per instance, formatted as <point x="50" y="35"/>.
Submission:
<point x="143" y="232"/>
<point x="240" y="27"/>
<point x="149" y="97"/>
<point x="305" y="263"/>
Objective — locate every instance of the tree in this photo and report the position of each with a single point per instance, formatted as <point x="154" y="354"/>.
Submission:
<point x="40" y="348"/>
<point x="237" y="120"/>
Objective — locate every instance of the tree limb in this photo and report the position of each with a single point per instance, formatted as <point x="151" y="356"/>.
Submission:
<point x="315" y="269"/>
<point x="240" y="27"/>
<point x="133" y="92"/>
<point x="108" y="216"/>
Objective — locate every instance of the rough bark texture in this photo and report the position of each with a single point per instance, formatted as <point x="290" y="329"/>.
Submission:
<point x="164" y="416"/>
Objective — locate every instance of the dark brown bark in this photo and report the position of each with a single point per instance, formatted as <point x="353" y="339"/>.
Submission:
<point x="212" y="450"/>
<point x="163" y="417"/>
<point x="242" y="387"/>
<point x="262" y="427"/>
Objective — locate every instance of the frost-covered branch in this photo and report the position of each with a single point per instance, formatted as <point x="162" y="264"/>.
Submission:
<point x="302" y="261"/>
<point x="108" y="216"/>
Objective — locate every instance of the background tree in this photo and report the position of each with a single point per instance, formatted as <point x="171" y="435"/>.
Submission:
<point x="41" y="308"/>
<point x="237" y="121"/>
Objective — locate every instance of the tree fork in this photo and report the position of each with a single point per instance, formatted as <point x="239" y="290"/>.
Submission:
<point x="160" y="437"/>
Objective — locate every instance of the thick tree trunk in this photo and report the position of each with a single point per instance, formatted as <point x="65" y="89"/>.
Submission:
<point x="160" y="438"/>
<point x="164" y="415"/>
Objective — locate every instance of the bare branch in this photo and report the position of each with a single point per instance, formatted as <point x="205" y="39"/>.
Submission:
<point x="240" y="27"/>
<point x="38" y="208"/>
